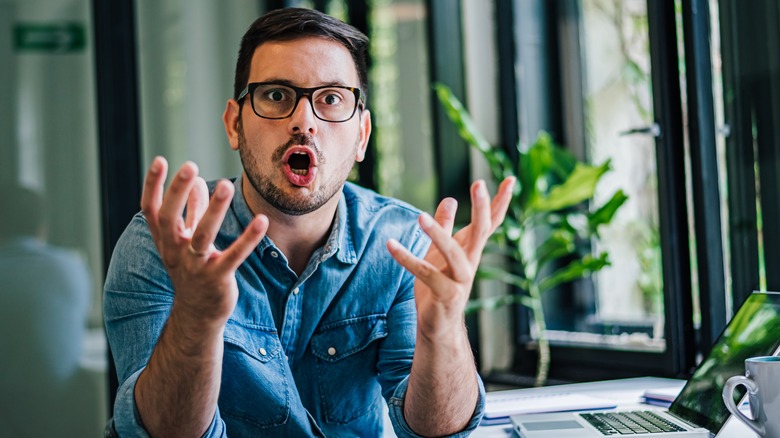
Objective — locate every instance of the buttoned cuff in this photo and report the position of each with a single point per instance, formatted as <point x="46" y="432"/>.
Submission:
<point x="127" y="421"/>
<point x="402" y="429"/>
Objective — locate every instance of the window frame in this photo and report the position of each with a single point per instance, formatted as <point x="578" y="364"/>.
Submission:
<point x="552" y="21"/>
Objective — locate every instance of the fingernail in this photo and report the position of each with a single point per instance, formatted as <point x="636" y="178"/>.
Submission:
<point x="188" y="170"/>
<point x="482" y="189"/>
<point x="451" y="205"/>
<point x="155" y="166"/>
<point x="393" y="244"/>
<point x="221" y="192"/>
<point x="426" y="220"/>
<point x="258" y="224"/>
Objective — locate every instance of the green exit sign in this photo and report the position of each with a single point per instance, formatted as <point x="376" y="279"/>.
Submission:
<point x="49" y="38"/>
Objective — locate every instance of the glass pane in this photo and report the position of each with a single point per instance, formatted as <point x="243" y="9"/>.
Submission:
<point x="400" y="102"/>
<point x="53" y="374"/>
<point x="187" y="57"/>
<point x="720" y="139"/>
<point x="628" y="309"/>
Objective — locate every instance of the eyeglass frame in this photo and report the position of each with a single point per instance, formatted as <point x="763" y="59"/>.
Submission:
<point x="300" y="92"/>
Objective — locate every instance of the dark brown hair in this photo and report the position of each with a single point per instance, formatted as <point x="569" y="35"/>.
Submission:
<point x="293" y="23"/>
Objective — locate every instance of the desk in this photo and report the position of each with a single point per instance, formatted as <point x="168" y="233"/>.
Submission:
<point x="626" y="393"/>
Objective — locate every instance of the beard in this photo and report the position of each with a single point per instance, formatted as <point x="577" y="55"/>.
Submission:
<point x="292" y="204"/>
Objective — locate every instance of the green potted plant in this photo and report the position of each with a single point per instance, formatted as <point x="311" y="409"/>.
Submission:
<point x="549" y="227"/>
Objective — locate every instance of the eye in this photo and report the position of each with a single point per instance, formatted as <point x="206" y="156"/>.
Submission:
<point x="276" y="95"/>
<point x="331" y="97"/>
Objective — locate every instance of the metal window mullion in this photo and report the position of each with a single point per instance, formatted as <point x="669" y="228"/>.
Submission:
<point x="673" y="217"/>
<point x="766" y="102"/>
<point x="735" y="28"/>
<point x="118" y="125"/>
<point x="704" y="171"/>
<point x="446" y="58"/>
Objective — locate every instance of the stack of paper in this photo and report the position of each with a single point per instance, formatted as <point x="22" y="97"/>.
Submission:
<point x="661" y="396"/>
<point x="501" y="404"/>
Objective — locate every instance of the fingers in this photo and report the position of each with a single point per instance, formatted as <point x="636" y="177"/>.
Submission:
<point x="421" y="269"/>
<point x="197" y="203"/>
<point x="170" y="213"/>
<point x="458" y="264"/>
<point x="500" y="203"/>
<point x="481" y="224"/>
<point x="232" y="257"/>
<point x="485" y="219"/>
<point x="445" y="214"/>
<point x="208" y="223"/>
<point x="151" y="198"/>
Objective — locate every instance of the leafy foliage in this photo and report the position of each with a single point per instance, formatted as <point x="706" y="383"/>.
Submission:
<point x="549" y="227"/>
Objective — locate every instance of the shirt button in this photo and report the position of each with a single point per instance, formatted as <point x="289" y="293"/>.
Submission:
<point x="295" y="291"/>
<point x="331" y="351"/>
<point x="324" y="257"/>
<point x="274" y="254"/>
<point x="262" y="351"/>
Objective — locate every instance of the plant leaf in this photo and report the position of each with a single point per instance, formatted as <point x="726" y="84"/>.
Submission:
<point x="502" y="275"/>
<point x="496" y="158"/>
<point x="607" y="211"/>
<point x="578" y="187"/>
<point x="560" y="243"/>
<point x="493" y="303"/>
<point x="574" y="270"/>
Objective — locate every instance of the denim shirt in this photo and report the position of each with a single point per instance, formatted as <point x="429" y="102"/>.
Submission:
<point x="303" y="356"/>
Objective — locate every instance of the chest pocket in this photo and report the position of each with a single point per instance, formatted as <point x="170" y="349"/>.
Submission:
<point x="255" y="391"/>
<point x="347" y="356"/>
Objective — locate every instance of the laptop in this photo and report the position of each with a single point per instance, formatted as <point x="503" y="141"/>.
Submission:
<point x="698" y="411"/>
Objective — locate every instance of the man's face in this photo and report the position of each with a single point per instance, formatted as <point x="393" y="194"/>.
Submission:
<point x="299" y="163"/>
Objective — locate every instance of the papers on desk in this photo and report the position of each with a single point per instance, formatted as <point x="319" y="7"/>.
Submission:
<point x="661" y="396"/>
<point x="500" y="405"/>
<point x="665" y="396"/>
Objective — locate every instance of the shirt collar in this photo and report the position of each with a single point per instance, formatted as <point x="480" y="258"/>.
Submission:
<point x="346" y="253"/>
<point x="339" y="239"/>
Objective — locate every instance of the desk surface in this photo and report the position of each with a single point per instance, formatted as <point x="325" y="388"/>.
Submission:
<point x="626" y="393"/>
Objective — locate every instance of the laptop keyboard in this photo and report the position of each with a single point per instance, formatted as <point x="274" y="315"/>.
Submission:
<point x="630" y="423"/>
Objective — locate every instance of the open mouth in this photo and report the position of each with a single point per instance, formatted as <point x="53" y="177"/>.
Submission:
<point x="299" y="163"/>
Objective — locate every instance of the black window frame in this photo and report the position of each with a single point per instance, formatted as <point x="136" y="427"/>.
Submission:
<point x="553" y="22"/>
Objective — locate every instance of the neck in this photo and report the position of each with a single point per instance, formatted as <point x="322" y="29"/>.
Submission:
<point x="296" y="236"/>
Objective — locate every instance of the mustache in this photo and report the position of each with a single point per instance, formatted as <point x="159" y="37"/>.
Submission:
<point x="295" y="140"/>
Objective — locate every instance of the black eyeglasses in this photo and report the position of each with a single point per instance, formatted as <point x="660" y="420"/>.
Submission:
<point x="331" y="103"/>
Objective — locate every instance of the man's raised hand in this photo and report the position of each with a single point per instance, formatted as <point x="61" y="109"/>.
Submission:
<point x="203" y="276"/>
<point x="445" y="276"/>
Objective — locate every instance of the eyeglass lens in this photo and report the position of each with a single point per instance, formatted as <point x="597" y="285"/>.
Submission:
<point x="277" y="101"/>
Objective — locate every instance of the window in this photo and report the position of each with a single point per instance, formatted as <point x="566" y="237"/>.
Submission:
<point x="186" y="65"/>
<point x="54" y="368"/>
<point x="636" y="82"/>
<point x="400" y="102"/>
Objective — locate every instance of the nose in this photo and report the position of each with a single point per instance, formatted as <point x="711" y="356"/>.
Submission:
<point x="303" y="118"/>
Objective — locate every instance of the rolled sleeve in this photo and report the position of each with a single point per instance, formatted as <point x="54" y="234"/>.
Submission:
<point x="127" y="421"/>
<point x="402" y="429"/>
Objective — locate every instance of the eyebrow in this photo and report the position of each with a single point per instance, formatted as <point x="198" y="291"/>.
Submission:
<point x="290" y="83"/>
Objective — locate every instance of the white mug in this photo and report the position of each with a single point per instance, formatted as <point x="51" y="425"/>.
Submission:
<point x="762" y="381"/>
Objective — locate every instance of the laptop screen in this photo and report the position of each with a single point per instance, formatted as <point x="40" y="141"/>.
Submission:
<point x="753" y="331"/>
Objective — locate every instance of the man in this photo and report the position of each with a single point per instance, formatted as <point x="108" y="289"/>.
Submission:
<point x="45" y="293"/>
<point x="288" y="302"/>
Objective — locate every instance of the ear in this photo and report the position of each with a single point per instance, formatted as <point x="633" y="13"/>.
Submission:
<point x="365" y="133"/>
<point x="230" y="118"/>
